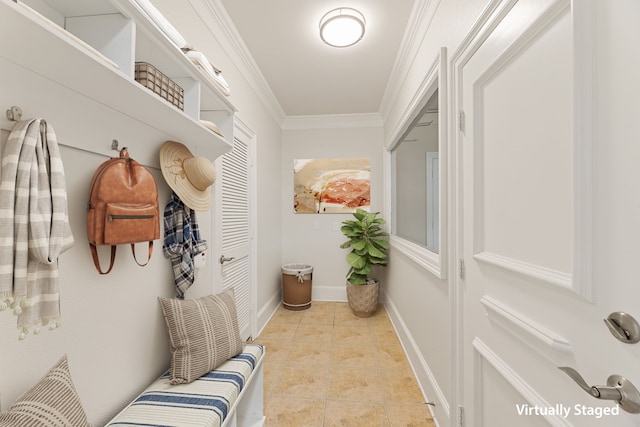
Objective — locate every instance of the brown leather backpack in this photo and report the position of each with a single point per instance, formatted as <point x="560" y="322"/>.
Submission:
<point x="123" y="207"/>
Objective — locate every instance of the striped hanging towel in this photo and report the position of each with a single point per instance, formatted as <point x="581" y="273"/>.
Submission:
<point x="34" y="225"/>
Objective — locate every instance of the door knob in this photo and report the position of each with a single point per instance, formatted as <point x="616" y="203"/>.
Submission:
<point x="624" y="327"/>
<point x="224" y="259"/>
<point x="618" y="388"/>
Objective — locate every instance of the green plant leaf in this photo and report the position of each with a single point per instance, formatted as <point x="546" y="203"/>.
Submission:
<point x="360" y="214"/>
<point x="356" y="279"/>
<point x="366" y="242"/>
<point x="380" y="243"/>
<point x="370" y="218"/>
<point x="346" y="229"/>
<point x="358" y="245"/>
<point x="350" y="272"/>
<point x="364" y="271"/>
<point x="350" y="227"/>
<point x="376" y="253"/>
<point x="362" y="252"/>
<point x="356" y="261"/>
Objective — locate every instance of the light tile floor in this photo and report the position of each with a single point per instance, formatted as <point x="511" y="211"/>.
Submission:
<point x="326" y="367"/>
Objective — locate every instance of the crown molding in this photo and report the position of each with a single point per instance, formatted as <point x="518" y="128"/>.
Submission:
<point x="222" y="28"/>
<point x="333" y="121"/>
<point x="224" y="31"/>
<point x="420" y="18"/>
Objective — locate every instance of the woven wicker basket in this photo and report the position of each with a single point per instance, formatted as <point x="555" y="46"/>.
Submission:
<point x="296" y="286"/>
<point x="363" y="299"/>
<point x="151" y="78"/>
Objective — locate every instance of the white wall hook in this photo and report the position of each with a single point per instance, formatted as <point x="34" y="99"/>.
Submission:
<point x="14" y="113"/>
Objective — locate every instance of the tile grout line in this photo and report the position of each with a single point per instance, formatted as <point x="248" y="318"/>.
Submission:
<point x="375" y="337"/>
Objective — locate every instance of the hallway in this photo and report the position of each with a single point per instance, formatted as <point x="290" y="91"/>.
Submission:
<point x="326" y="367"/>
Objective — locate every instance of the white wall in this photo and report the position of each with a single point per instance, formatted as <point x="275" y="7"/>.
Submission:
<point x="113" y="330"/>
<point x="301" y="241"/>
<point x="418" y="300"/>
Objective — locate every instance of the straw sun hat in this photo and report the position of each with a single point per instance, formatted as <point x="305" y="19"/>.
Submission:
<point x="188" y="176"/>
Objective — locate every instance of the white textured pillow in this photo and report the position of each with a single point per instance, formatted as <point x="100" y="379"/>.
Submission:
<point x="52" y="402"/>
<point x="203" y="333"/>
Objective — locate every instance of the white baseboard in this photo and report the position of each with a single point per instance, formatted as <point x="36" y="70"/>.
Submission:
<point x="329" y="293"/>
<point x="267" y="311"/>
<point x="431" y="390"/>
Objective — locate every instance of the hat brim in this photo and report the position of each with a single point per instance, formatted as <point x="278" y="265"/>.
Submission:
<point x="172" y="155"/>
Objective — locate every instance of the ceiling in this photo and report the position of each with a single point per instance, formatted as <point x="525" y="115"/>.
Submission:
<point x="309" y="77"/>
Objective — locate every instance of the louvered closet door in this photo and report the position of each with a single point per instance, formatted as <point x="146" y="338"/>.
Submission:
<point x="233" y="226"/>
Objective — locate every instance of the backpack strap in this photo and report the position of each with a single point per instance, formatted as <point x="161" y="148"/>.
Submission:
<point x="133" y="251"/>
<point x="96" y="260"/>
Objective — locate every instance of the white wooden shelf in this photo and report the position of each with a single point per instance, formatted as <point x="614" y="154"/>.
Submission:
<point x="120" y="31"/>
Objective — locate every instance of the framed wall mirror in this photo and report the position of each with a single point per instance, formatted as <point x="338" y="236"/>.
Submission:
<point x="418" y="175"/>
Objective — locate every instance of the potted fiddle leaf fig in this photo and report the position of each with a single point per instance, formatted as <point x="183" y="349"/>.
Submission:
<point x="369" y="246"/>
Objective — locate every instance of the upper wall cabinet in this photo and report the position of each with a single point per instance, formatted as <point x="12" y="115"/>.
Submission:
<point x="90" y="47"/>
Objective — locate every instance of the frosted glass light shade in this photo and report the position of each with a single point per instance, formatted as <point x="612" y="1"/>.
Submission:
<point x="342" y="27"/>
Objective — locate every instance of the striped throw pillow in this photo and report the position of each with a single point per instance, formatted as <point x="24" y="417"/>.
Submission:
<point x="52" y="402"/>
<point x="203" y="333"/>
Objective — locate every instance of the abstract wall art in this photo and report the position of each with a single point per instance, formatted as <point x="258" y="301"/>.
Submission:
<point x="331" y="185"/>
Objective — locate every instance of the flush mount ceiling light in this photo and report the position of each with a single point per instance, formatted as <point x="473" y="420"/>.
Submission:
<point x="342" y="27"/>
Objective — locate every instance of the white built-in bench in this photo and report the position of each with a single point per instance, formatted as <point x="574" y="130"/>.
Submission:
<point x="229" y="396"/>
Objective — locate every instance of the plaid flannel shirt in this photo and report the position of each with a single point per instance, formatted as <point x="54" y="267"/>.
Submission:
<point x="181" y="242"/>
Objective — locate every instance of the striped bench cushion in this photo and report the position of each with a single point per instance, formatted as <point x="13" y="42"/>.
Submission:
<point x="205" y="402"/>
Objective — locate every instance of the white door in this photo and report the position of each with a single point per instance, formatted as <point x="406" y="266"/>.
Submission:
<point x="233" y="217"/>
<point x="548" y="191"/>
